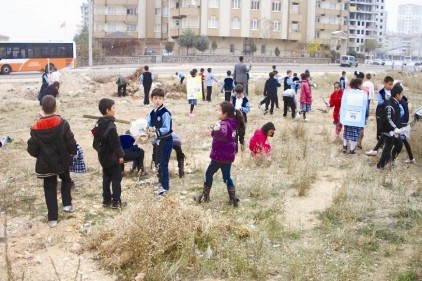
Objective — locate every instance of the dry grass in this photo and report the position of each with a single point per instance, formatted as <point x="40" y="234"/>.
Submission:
<point x="370" y="230"/>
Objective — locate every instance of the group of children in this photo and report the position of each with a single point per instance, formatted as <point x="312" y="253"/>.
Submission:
<point x="392" y="116"/>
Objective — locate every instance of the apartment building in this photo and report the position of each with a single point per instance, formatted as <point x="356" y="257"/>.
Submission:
<point x="235" y="25"/>
<point x="410" y="20"/>
<point x="362" y="24"/>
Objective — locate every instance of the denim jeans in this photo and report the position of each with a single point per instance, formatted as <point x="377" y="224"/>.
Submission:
<point x="50" y="194"/>
<point x="213" y="168"/>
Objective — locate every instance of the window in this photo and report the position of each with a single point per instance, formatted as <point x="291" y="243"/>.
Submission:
<point x="235" y="4"/>
<point x="263" y="49"/>
<point x="165" y="11"/>
<point x="255" y="5"/>
<point x="295" y="26"/>
<point x="316" y="34"/>
<point x="255" y="24"/>
<point x="157" y="28"/>
<point x="111" y="27"/>
<point x="332" y="20"/>
<point x="276" y="25"/>
<point x="213" y="3"/>
<point x="213" y="22"/>
<point x="318" y="4"/>
<point x="295" y="8"/>
<point x="276" y="7"/>
<point x="333" y="6"/>
<point x="112" y="10"/>
<point x="132" y="11"/>
<point x="158" y="11"/>
<point x="131" y="27"/>
<point x="235" y="23"/>
<point x="231" y="48"/>
<point x="318" y="19"/>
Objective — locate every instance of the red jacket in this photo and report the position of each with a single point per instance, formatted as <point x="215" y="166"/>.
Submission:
<point x="335" y="101"/>
<point x="305" y="92"/>
<point x="258" y="143"/>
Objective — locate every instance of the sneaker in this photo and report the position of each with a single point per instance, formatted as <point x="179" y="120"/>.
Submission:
<point x="52" y="223"/>
<point x="191" y="114"/>
<point x="352" y="152"/>
<point x="161" y="191"/>
<point x="344" y="148"/>
<point x="265" y="111"/>
<point x="118" y="204"/>
<point x="371" y="153"/>
<point x="106" y="204"/>
<point x="408" y="161"/>
<point x="68" y="209"/>
<point x="306" y="120"/>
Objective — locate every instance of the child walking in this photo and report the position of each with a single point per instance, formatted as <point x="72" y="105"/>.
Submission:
<point x="305" y="96"/>
<point x="209" y="79"/>
<point x="110" y="154"/>
<point x="160" y="123"/>
<point x="146" y="79"/>
<point x="335" y="101"/>
<point x="53" y="144"/>
<point x="241" y="103"/>
<point x="223" y="151"/>
<point x="270" y="93"/>
<point x="228" y="86"/>
<point x="191" y="83"/>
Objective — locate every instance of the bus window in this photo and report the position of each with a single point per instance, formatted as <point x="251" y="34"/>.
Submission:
<point x="2" y="52"/>
<point x="23" y="54"/>
<point x="15" y="52"/>
<point x="45" y="52"/>
<point x="30" y="53"/>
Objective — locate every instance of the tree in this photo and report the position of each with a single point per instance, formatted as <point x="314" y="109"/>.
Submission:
<point x="81" y="41"/>
<point x="313" y="47"/>
<point x="202" y="43"/>
<point x="213" y="46"/>
<point x="253" y="47"/>
<point x="277" y="51"/>
<point x="370" y="45"/>
<point x="187" y="39"/>
<point x="169" y="47"/>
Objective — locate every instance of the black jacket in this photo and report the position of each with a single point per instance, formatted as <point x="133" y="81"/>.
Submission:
<point x="271" y="86"/>
<point x="391" y="117"/>
<point x="106" y="142"/>
<point x="53" y="144"/>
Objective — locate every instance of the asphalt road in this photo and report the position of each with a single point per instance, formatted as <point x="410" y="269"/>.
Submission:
<point x="217" y="69"/>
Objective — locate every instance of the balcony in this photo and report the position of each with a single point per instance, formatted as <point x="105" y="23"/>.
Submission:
<point x="184" y="12"/>
<point x="328" y="12"/>
<point x="116" y="2"/>
<point x="175" y="32"/>
<point x="295" y="17"/>
<point x="99" y="18"/>
<point x="295" y="36"/>
<point x="327" y="26"/>
<point x="115" y="18"/>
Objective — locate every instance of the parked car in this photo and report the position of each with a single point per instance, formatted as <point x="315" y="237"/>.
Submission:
<point x="348" y="61"/>
<point x="378" y="62"/>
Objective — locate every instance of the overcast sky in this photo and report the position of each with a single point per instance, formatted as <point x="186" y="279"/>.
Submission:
<point x="41" y="19"/>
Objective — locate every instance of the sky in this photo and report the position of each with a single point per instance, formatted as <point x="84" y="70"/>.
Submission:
<point x="41" y="19"/>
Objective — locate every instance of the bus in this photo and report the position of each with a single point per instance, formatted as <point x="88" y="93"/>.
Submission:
<point x="36" y="56"/>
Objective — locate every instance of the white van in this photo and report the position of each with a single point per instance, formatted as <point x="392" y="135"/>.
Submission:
<point x="348" y="61"/>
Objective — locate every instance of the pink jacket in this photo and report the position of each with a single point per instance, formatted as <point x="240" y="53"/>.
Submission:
<point x="305" y="93"/>
<point x="258" y="143"/>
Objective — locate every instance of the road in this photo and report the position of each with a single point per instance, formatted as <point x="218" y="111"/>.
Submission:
<point x="217" y="69"/>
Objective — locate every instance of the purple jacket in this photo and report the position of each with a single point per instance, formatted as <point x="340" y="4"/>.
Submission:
<point x="223" y="147"/>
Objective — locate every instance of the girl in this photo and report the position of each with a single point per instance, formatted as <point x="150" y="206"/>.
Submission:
<point x="192" y="100"/>
<point x="223" y="151"/>
<point x="259" y="142"/>
<point x="335" y="101"/>
<point x="305" y="96"/>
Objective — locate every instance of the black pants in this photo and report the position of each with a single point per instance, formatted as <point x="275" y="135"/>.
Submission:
<point x="289" y="102"/>
<point x="121" y="90"/>
<point x="227" y="95"/>
<point x="147" y="88"/>
<point x="272" y="101"/>
<point x="240" y="138"/>
<point x="50" y="194"/>
<point x="209" y="93"/>
<point x="408" y="149"/>
<point x="136" y="155"/>
<point x="392" y="148"/>
<point x="265" y="101"/>
<point x="112" y="175"/>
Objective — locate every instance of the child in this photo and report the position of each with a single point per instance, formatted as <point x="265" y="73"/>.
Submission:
<point x="343" y="80"/>
<point x="405" y="122"/>
<point x="289" y="100"/>
<point x="390" y="127"/>
<point x="44" y="80"/>
<point x="228" y="86"/>
<point x="258" y="143"/>
<point x="296" y="81"/>
<point x="270" y="92"/>
<point x="223" y="151"/>
<point x="181" y="76"/>
<point x="53" y="144"/>
<point x="52" y="90"/>
<point x="192" y="99"/>
<point x="121" y="86"/>
<point x="146" y="79"/>
<point x="110" y="154"/>
<point x="132" y="153"/>
<point x="383" y="95"/>
<point x="180" y="156"/>
<point x="209" y="78"/>
<point x="160" y="123"/>
<point x="335" y="101"/>
<point x="305" y="96"/>
<point x="241" y="103"/>
<point x="202" y="75"/>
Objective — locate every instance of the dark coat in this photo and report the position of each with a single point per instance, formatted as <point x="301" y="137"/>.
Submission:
<point x="53" y="144"/>
<point x="270" y="89"/>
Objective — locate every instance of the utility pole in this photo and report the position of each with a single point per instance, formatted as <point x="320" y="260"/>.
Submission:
<point x="91" y="8"/>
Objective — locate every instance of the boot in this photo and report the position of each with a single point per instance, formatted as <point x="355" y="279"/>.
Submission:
<point x="204" y="196"/>
<point x="181" y="165"/>
<point x="233" y="199"/>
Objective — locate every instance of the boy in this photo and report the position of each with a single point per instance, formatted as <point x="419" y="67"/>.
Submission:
<point x="146" y="79"/>
<point x="242" y="103"/>
<point x="343" y="80"/>
<point x="110" y="153"/>
<point x="159" y="121"/>
<point x="121" y="86"/>
<point x="181" y="76"/>
<point x="228" y="86"/>
<point x="270" y="92"/>
<point x="53" y="144"/>
<point x="209" y="78"/>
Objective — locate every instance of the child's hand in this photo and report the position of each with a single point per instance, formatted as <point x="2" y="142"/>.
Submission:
<point x="121" y="161"/>
<point x="216" y="126"/>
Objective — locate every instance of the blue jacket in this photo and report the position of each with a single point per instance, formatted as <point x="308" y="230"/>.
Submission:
<point x="270" y="89"/>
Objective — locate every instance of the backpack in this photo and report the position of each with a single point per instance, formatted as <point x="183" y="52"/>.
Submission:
<point x="98" y="138"/>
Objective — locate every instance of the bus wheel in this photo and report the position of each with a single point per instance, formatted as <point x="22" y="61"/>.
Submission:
<point x="6" y="69"/>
